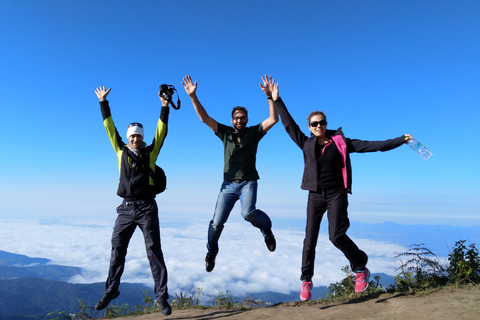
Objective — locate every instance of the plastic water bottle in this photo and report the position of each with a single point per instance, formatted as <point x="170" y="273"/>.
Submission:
<point x="419" y="148"/>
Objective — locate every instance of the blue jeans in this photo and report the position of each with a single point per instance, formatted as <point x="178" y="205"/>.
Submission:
<point x="230" y="192"/>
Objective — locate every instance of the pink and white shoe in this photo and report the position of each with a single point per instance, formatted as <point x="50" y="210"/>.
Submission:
<point x="305" y="294"/>
<point x="361" y="280"/>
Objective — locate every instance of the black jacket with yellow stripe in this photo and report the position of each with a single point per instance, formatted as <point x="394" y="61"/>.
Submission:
<point x="135" y="182"/>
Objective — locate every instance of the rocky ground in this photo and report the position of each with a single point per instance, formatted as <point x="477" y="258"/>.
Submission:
<point x="447" y="303"/>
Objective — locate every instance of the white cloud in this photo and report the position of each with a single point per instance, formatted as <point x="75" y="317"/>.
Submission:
<point x="244" y="265"/>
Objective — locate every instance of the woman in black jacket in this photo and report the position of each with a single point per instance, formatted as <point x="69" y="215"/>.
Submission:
<point x="328" y="178"/>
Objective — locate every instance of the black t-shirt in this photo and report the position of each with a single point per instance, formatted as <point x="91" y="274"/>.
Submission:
<point x="329" y="162"/>
<point x="240" y="151"/>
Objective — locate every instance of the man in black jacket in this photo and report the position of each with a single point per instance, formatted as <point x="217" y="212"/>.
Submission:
<point x="138" y="207"/>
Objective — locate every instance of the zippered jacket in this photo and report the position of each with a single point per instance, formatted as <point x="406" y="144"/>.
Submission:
<point x="344" y="145"/>
<point x="134" y="181"/>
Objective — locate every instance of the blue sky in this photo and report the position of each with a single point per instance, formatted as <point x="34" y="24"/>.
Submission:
<point x="378" y="69"/>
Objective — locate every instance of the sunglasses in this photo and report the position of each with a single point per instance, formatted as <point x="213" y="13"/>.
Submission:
<point x="135" y="124"/>
<point x="316" y="123"/>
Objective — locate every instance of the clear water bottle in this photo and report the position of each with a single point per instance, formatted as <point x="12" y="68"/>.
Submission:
<point x="419" y="148"/>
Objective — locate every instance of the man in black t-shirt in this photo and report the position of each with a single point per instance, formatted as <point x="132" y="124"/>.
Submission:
<point x="240" y="175"/>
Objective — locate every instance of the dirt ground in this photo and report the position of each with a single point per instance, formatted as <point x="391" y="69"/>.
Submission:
<point x="449" y="303"/>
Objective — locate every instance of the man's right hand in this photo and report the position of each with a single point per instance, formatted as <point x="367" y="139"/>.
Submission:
<point x="102" y="93"/>
<point x="189" y="86"/>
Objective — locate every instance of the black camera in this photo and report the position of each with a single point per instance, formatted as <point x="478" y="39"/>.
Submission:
<point x="166" y="92"/>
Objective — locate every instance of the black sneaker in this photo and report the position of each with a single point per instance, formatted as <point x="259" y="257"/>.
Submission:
<point x="271" y="242"/>
<point x="209" y="262"/>
<point x="106" y="299"/>
<point x="165" y="308"/>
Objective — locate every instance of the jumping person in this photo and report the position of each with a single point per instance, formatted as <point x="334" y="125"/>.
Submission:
<point x="328" y="178"/>
<point x="139" y="207"/>
<point x="240" y="174"/>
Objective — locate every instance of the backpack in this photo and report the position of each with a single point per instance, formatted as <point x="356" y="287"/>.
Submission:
<point x="159" y="178"/>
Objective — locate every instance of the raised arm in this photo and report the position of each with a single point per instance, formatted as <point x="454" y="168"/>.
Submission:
<point x="269" y="87"/>
<point x="190" y="89"/>
<point x="102" y="93"/>
<point x="113" y="135"/>
<point x="290" y="125"/>
<point x="161" y="131"/>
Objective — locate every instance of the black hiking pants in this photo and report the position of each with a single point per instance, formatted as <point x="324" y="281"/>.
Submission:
<point x="334" y="201"/>
<point x="144" y="214"/>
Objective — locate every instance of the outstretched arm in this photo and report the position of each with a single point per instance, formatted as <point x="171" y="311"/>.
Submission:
<point x="362" y="146"/>
<point x="269" y="87"/>
<point x="102" y="93"/>
<point x="190" y="89"/>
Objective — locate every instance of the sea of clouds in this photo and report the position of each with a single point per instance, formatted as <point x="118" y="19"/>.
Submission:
<point x="243" y="266"/>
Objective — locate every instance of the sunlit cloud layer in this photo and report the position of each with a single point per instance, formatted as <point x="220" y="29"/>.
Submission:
<point x="243" y="266"/>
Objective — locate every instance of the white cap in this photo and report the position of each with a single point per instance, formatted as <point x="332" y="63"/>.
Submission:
<point x="134" y="128"/>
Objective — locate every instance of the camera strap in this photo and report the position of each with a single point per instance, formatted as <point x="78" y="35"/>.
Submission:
<point x="176" y="107"/>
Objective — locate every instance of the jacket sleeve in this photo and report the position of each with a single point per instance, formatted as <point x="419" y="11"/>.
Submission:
<point x="160" y="133"/>
<point x="355" y="145"/>
<point x="290" y="125"/>
<point x="112" y="132"/>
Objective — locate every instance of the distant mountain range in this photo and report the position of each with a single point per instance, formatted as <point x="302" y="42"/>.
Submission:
<point x="13" y="266"/>
<point x="31" y="298"/>
<point x="439" y="239"/>
<point x="30" y="288"/>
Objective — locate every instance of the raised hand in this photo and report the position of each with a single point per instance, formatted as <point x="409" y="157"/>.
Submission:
<point x="189" y="86"/>
<point x="102" y="93"/>
<point x="275" y="93"/>
<point x="268" y="85"/>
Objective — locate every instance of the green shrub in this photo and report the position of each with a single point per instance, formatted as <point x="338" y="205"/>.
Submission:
<point x="345" y="289"/>
<point x="464" y="264"/>
<point x="422" y="270"/>
<point x="224" y="300"/>
<point x="183" y="301"/>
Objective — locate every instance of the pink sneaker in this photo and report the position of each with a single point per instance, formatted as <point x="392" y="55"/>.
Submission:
<point x="362" y="280"/>
<point x="306" y="295"/>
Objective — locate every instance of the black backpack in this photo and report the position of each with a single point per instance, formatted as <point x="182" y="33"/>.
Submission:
<point x="159" y="178"/>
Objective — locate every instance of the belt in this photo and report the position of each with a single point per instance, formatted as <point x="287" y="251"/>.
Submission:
<point x="134" y="203"/>
<point x="130" y="202"/>
<point x="239" y="181"/>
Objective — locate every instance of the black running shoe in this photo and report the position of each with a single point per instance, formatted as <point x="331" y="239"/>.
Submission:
<point x="271" y="242"/>
<point x="165" y="307"/>
<point x="106" y="299"/>
<point x="209" y="262"/>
